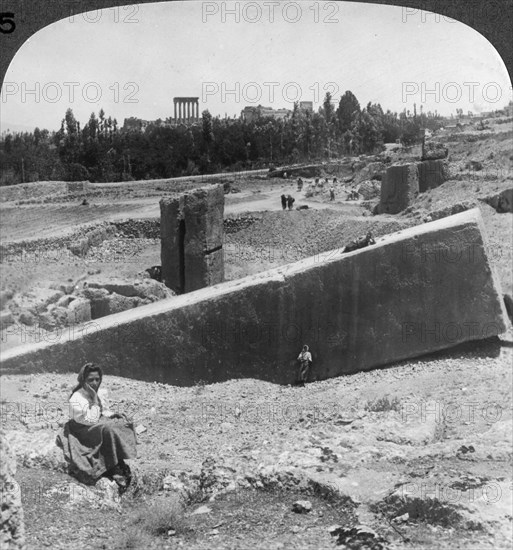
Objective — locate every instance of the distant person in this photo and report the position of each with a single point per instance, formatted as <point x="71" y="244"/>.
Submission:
<point x="316" y="182"/>
<point x="299" y="184"/>
<point x="305" y="362"/>
<point x="332" y="193"/>
<point x="353" y="194"/>
<point x="283" y="202"/>
<point x="290" y="201"/>
<point x="285" y="175"/>
<point x="335" y="180"/>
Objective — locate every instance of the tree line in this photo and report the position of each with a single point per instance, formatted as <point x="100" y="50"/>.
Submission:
<point x="101" y="151"/>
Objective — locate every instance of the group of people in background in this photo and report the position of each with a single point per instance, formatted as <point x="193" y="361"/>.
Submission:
<point x="287" y="201"/>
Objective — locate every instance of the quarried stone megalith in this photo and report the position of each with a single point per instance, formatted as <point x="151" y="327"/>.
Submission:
<point x="432" y="173"/>
<point x="399" y="188"/>
<point x="419" y="290"/>
<point x="192" y="232"/>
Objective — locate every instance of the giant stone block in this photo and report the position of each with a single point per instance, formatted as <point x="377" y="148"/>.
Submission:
<point x="399" y="187"/>
<point x="416" y="291"/>
<point x="432" y="173"/>
<point x="191" y="232"/>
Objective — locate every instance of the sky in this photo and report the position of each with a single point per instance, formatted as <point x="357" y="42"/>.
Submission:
<point x="132" y="61"/>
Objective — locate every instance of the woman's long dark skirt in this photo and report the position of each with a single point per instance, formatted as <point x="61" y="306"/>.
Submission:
<point x="92" y="450"/>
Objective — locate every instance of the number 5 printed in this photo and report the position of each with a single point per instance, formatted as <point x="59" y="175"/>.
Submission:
<point x="7" y="19"/>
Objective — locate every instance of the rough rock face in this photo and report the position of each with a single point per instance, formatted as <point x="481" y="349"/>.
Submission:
<point x="12" y="532"/>
<point x="192" y="239"/>
<point x="388" y="294"/>
<point x="450" y="210"/>
<point x="502" y="202"/>
<point x="369" y="189"/>
<point x="432" y="173"/>
<point x="505" y="201"/>
<point x="372" y="171"/>
<point x="432" y="150"/>
<point x="398" y="188"/>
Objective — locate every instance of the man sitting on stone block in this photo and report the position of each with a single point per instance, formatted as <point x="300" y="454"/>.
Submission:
<point x="361" y="242"/>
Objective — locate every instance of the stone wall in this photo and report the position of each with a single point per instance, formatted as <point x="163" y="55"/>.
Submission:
<point x="402" y="183"/>
<point x="419" y="290"/>
<point x="12" y="532"/>
<point x="399" y="188"/>
<point x="432" y="173"/>
<point x="192" y="239"/>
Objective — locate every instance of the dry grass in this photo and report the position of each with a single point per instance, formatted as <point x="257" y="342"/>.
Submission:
<point x="164" y="517"/>
<point x="383" y="404"/>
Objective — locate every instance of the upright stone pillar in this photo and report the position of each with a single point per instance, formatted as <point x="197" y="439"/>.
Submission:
<point x="192" y="230"/>
<point x="399" y="187"/>
<point x="432" y="173"/>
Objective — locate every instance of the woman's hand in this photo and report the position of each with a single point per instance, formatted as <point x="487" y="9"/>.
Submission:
<point x="92" y="394"/>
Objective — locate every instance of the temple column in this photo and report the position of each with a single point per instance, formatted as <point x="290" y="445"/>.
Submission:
<point x="175" y="109"/>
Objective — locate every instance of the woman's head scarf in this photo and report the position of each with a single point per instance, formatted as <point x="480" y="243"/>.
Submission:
<point x="84" y="373"/>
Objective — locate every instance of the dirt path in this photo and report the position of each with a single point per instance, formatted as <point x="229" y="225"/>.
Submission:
<point x="30" y="221"/>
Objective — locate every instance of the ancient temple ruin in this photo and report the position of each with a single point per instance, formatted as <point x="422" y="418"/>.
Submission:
<point x="186" y="109"/>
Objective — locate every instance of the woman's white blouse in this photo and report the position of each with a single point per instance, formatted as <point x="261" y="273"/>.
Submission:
<point x="82" y="409"/>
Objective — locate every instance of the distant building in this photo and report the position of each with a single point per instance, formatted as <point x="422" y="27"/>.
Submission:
<point x="135" y="124"/>
<point x="253" y="113"/>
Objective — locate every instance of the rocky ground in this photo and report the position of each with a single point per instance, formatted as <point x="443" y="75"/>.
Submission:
<point x="417" y="455"/>
<point x="420" y="453"/>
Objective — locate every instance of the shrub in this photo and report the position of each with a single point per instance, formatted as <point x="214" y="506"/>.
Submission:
<point x="163" y="514"/>
<point x="383" y="404"/>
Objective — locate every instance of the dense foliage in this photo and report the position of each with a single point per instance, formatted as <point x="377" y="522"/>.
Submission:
<point x="100" y="151"/>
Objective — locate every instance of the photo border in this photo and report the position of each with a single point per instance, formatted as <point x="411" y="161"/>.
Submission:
<point x="494" y="19"/>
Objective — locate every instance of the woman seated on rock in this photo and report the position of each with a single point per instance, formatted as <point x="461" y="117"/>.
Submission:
<point x="96" y="441"/>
